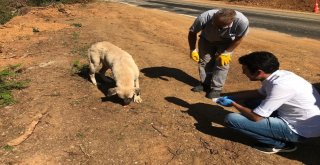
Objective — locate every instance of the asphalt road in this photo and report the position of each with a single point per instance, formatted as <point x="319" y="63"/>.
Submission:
<point x="293" y="23"/>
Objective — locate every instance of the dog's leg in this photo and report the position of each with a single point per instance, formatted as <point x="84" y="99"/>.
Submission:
<point x="136" y="97"/>
<point x="92" y="73"/>
<point x="103" y="71"/>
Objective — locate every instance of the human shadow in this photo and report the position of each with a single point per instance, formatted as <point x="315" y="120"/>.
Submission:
<point x="206" y="114"/>
<point x="162" y="72"/>
<point x="210" y="120"/>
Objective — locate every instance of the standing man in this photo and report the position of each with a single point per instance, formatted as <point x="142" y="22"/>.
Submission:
<point x="221" y="32"/>
<point x="288" y="111"/>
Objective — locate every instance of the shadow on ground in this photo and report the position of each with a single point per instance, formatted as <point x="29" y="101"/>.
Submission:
<point x="207" y="116"/>
<point x="102" y="85"/>
<point x="163" y="72"/>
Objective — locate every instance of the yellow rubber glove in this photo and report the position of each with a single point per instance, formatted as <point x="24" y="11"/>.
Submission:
<point x="195" y="55"/>
<point x="224" y="58"/>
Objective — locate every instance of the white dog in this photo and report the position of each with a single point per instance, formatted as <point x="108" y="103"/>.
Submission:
<point x="124" y="69"/>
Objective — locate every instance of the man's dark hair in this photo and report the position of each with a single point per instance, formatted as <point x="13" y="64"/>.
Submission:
<point x="226" y="15"/>
<point x="260" y="60"/>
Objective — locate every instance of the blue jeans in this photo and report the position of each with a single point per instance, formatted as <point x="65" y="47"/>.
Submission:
<point x="272" y="131"/>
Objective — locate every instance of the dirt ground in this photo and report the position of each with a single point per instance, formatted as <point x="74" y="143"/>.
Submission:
<point x="78" y="124"/>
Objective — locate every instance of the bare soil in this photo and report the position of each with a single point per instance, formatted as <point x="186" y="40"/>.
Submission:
<point x="173" y="125"/>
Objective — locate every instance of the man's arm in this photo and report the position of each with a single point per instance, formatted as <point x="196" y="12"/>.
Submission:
<point x="234" y="44"/>
<point x="224" y="58"/>
<point x="192" y="39"/>
<point x="246" y="112"/>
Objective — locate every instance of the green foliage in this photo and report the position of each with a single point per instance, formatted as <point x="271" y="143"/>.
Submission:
<point x="5" y="16"/>
<point x="75" y="36"/>
<point x="75" y="1"/>
<point x="8" y="8"/>
<point x="8" y="83"/>
<point x="80" y="135"/>
<point x="5" y="11"/>
<point x="35" y="30"/>
<point x="48" y="2"/>
<point x="7" y="148"/>
<point x="80" y="69"/>
<point x="78" y="25"/>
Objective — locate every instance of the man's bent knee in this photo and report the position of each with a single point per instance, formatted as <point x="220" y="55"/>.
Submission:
<point x="234" y="119"/>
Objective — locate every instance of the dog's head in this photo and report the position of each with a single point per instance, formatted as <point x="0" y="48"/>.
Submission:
<point x="126" y="94"/>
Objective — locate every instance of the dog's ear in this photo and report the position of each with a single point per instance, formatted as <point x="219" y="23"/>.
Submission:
<point x="112" y="91"/>
<point x="137" y="91"/>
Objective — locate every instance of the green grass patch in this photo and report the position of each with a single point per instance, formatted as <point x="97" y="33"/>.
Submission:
<point x="80" y="135"/>
<point x="80" y="49"/>
<point x="78" y="25"/>
<point x="75" y="36"/>
<point x="7" y="148"/>
<point x="8" y="83"/>
<point x="80" y="69"/>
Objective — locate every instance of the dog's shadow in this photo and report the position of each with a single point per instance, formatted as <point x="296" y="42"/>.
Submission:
<point x="163" y="72"/>
<point x="103" y="86"/>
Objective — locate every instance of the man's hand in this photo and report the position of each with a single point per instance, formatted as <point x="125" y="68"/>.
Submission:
<point x="194" y="55"/>
<point x="224" y="58"/>
<point x="225" y="101"/>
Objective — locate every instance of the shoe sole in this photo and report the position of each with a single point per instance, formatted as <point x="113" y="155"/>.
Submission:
<point x="278" y="150"/>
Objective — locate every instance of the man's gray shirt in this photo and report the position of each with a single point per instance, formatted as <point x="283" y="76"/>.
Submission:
<point x="210" y="32"/>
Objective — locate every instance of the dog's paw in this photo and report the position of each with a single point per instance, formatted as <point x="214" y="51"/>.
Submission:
<point x="137" y="99"/>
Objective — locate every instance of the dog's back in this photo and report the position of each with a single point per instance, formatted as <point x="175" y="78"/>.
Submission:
<point x="106" y="52"/>
<point x="124" y="69"/>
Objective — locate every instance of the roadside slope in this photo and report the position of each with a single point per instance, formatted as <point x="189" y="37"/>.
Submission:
<point x="172" y="125"/>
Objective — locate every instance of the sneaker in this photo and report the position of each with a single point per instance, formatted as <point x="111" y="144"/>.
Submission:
<point x="289" y="147"/>
<point x="213" y="94"/>
<point x="201" y="87"/>
<point x="198" y="88"/>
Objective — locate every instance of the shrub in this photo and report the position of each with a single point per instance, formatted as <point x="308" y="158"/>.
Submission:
<point x="10" y="8"/>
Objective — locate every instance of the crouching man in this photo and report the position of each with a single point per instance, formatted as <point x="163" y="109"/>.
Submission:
<point x="283" y="111"/>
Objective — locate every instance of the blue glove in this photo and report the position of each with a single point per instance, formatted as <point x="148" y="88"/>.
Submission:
<point x="225" y="101"/>
<point x="230" y="97"/>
